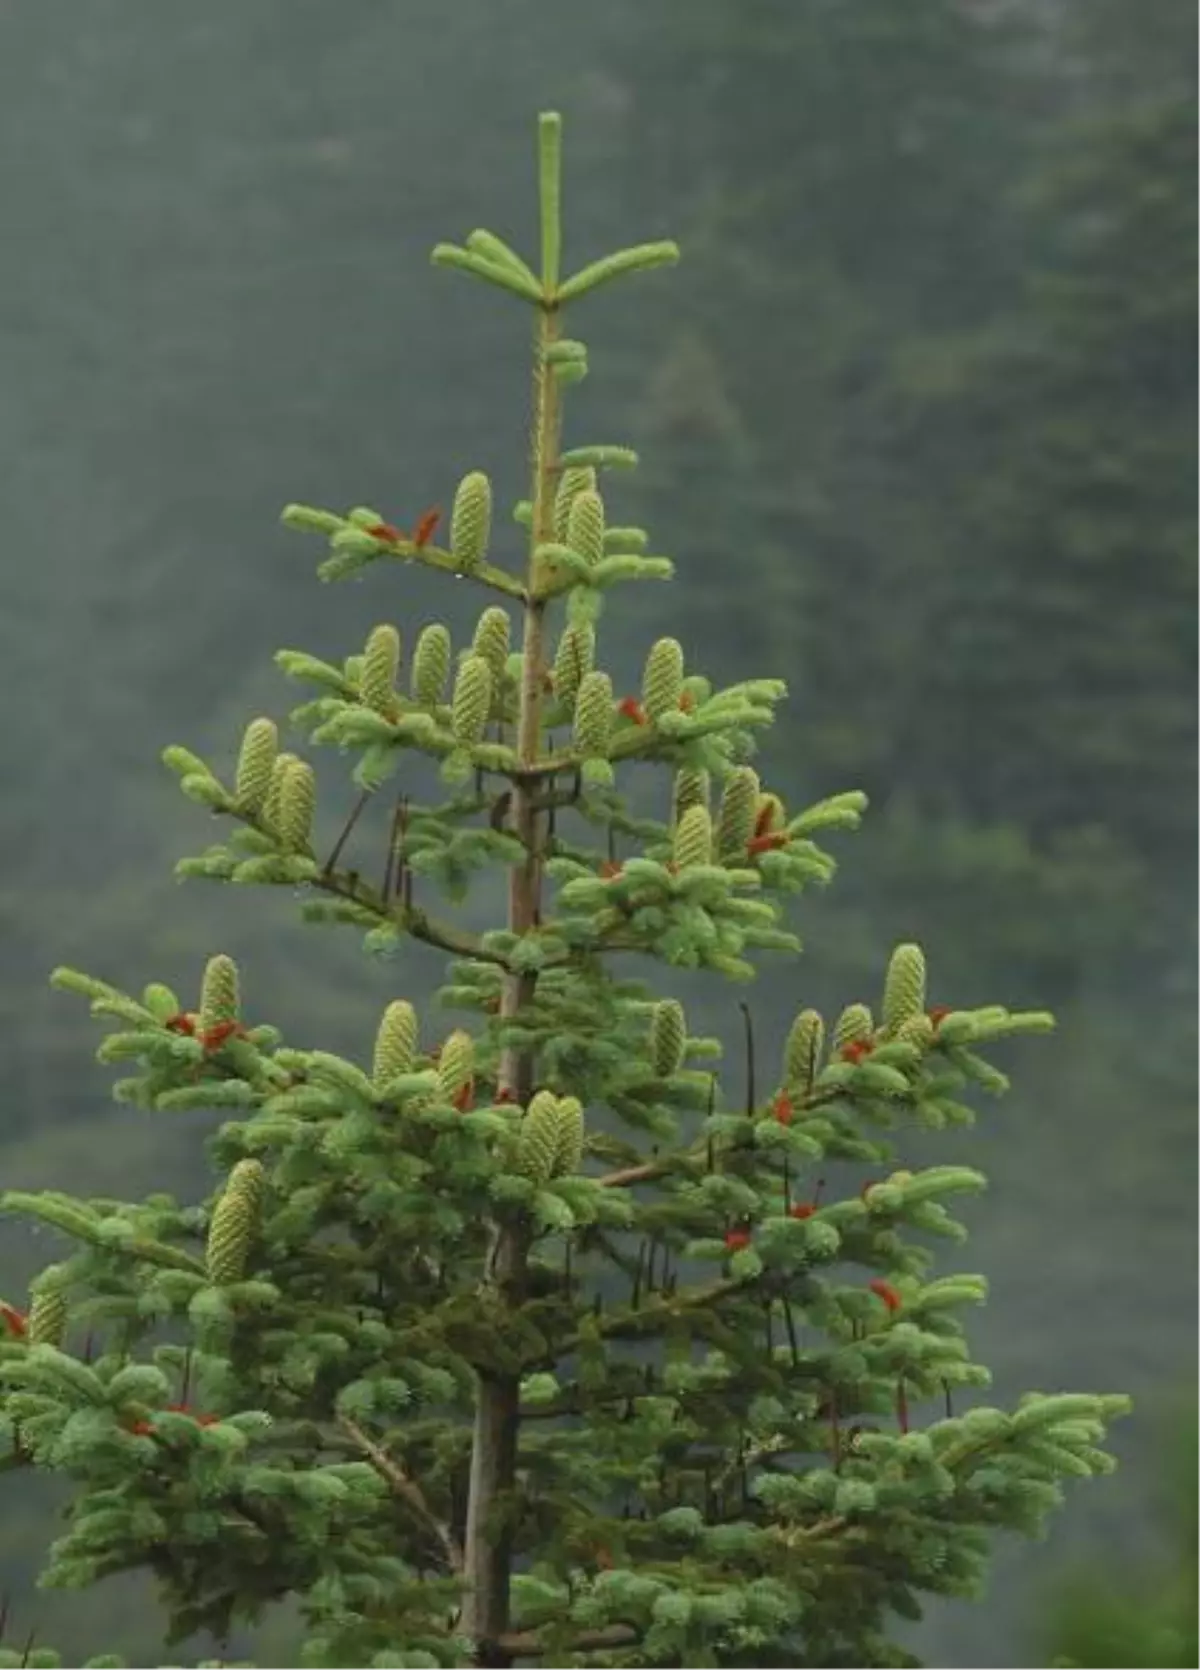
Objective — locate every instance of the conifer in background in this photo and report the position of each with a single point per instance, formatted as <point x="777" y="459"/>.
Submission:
<point x="1110" y="1609"/>
<point x="537" y="1338"/>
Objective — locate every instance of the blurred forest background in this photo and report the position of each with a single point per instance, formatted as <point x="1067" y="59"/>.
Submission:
<point x="917" y="421"/>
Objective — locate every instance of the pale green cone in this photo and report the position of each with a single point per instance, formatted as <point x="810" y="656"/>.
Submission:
<point x="770" y="813"/>
<point x="693" y="838"/>
<point x="491" y="641"/>
<point x="260" y="745"/>
<point x="573" y="661"/>
<point x="576" y="479"/>
<point x="161" y="1001"/>
<point x="592" y="729"/>
<point x="537" y="1145"/>
<point x="585" y="527"/>
<point x="668" y="1037"/>
<point x="568" y="1154"/>
<point x="380" y="667"/>
<point x="662" y="679"/>
<point x="690" y="789"/>
<point x="395" y="1043"/>
<point x="471" y="521"/>
<point x="854" y="1025"/>
<point x="431" y="664"/>
<point x="739" y="807"/>
<point x="456" y="1064"/>
<point x="917" y="1029"/>
<point x="218" y="992"/>
<point x="297" y="804"/>
<point x="472" y="701"/>
<point x="802" y="1052"/>
<point x="231" y="1228"/>
<point x="250" y="1178"/>
<point x="904" y="987"/>
<point x="48" y="1314"/>
<point x="272" y="805"/>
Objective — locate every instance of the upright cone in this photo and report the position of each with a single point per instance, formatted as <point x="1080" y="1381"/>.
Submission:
<point x="471" y="521"/>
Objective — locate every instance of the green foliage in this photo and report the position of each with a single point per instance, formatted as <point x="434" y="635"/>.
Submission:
<point x="462" y="1367"/>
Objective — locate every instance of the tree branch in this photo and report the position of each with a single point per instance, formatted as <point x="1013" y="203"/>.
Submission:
<point x="633" y="1323"/>
<point x="409" y="918"/>
<point x="526" y="1643"/>
<point x="627" y="1176"/>
<point x="406" y="1489"/>
<point x="495" y="579"/>
<point x="636" y="1174"/>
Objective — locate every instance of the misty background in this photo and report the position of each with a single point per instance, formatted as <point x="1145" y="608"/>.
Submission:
<point x="916" y="416"/>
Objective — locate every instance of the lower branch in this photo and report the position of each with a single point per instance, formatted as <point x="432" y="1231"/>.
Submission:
<point x="526" y="1643"/>
<point x="408" y="917"/>
<point x="406" y="1489"/>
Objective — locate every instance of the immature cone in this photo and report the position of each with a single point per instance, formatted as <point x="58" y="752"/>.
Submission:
<point x="248" y="1178"/>
<point x="260" y="745"/>
<point x="917" y="1029"/>
<point x="696" y="690"/>
<point x="593" y="715"/>
<point x="231" y="1228"/>
<point x="297" y="803"/>
<point x="271" y="805"/>
<point x="568" y="1155"/>
<point x="573" y="661"/>
<point x="491" y="641"/>
<point x="472" y="701"/>
<point x="668" y="1037"/>
<point x="431" y="663"/>
<point x="662" y="679"/>
<point x="395" y="1043"/>
<point x="739" y="806"/>
<point x="904" y="987"/>
<point x="693" y="838"/>
<point x="690" y="789"/>
<point x="47" y="1318"/>
<point x="380" y="665"/>
<point x="471" y="521"/>
<point x="802" y="1052"/>
<point x="854" y="1025"/>
<point x="585" y="527"/>
<point x="537" y="1145"/>
<point x="456" y="1064"/>
<point x="577" y="479"/>
<point x="160" y="1000"/>
<point x="769" y="814"/>
<point x="218" y="992"/>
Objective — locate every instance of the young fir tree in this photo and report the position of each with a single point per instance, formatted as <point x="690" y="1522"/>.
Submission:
<point x="529" y="1342"/>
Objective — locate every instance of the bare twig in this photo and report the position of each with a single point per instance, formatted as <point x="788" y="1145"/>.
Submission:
<point x="338" y="845"/>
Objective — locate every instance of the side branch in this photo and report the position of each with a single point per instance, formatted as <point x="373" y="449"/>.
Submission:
<point x="637" y="1174"/>
<point x="406" y="1489"/>
<point x="636" y="1322"/>
<point x="495" y="579"/>
<point x="697" y="1154"/>
<point x="527" y="1643"/>
<point x="411" y="919"/>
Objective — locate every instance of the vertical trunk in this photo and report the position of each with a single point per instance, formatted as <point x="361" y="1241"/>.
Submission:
<point x="488" y="1543"/>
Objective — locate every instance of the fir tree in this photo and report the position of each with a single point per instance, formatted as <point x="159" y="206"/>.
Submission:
<point x="533" y="1342"/>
